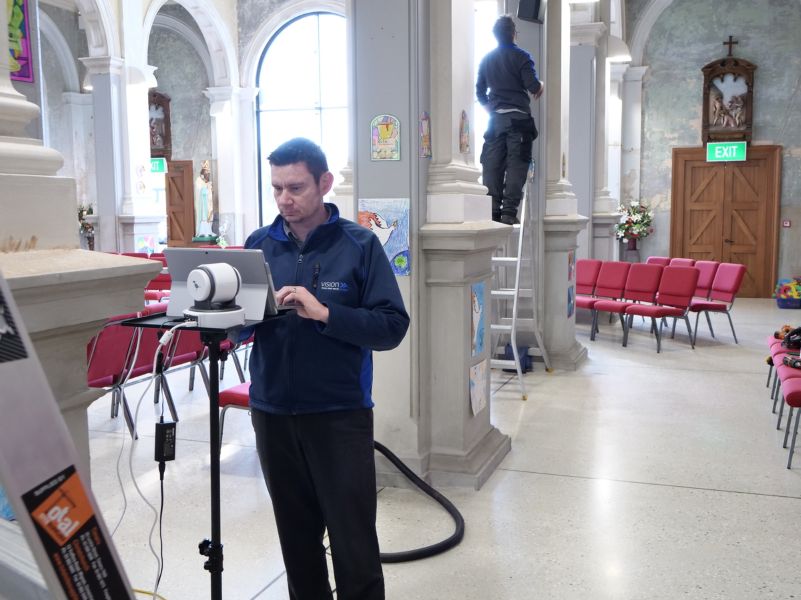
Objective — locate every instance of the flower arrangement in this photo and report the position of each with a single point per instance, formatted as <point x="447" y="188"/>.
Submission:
<point x="86" y="229"/>
<point x="635" y="221"/>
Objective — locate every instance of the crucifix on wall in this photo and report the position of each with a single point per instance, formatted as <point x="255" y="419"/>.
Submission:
<point x="728" y="98"/>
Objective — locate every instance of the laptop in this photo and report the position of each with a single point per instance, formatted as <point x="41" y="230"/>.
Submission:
<point x="256" y="293"/>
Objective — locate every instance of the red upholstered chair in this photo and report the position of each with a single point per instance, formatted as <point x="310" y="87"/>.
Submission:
<point x="610" y="283"/>
<point x="725" y="285"/>
<point x="642" y="284"/>
<point x="682" y="262"/>
<point x="234" y="397"/>
<point x="706" y="276"/>
<point x="657" y="260"/>
<point x="108" y="356"/>
<point x="791" y="391"/>
<point x="158" y="288"/>
<point x="586" y="275"/>
<point x="676" y="290"/>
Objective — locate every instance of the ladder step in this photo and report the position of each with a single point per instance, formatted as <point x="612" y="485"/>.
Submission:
<point x="510" y="293"/>
<point x="496" y="327"/>
<point x="533" y="351"/>
<point x="501" y="363"/>
<point x="523" y="323"/>
<point x="507" y="260"/>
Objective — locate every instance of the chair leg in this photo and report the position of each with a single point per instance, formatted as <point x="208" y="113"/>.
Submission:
<point x="203" y="375"/>
<point x="238" y="367"/>
<point x="777" y="395"/>
<point x="126" y="413"/>
<point x="658" y="335"/>
<point x="709" y="322"/>
<point x="222" y="425"/>
<point x="775" y="386"/>
<point x="673" y="331"/>
<point x="792" y="445"/>
<point x="695" y="335"/>
<point x="781" y="410"/>
<point x="191" y="378"/>
<point x="594" y="324"/>
<point x="223" y="360"/>
<point x="770" y="372"/>
<point x="114" y="402"/>
<point x="626" y="321"/>
<point x="787" y="427"/>
<point x="732" y="327"/>
<point x="689" y="332"/>
<point x="168" y="398"/>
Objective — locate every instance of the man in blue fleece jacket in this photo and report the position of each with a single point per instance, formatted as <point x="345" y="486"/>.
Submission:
<point x="505" y="84"/>
<point x="311" y="377"/>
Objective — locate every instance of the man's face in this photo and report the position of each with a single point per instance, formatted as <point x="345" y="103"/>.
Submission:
<point x="297" y="196"/>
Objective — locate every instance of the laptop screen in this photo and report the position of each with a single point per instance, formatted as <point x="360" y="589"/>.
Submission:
<point x="256" y="293"/>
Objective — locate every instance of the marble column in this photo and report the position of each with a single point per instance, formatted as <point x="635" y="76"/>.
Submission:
<point x="422" y="389"/>
<point x="631" y="134"/>
<point x="107" y="73"/>
<point x="78" y="109"/>
<point x="224" y="111"/>
<point x="583" y="151"/>
<point x="562" y="223"/>
<point x="246" y="221"/>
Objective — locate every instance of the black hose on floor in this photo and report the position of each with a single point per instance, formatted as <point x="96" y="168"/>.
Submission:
<point x="433" y="549"/>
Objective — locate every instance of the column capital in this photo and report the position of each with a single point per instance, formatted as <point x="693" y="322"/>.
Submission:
<point x="219" y="94"/>
<point x="618" y="71"/>
<point x="100" y="65"/>
<point x="634" y="73"/>
<point x="586" y="34"/>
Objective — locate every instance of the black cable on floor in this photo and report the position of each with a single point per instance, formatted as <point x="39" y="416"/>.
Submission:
<point x="433" y="549"/>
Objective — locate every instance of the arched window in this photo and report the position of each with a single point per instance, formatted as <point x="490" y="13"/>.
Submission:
<point x="303" y="92"/>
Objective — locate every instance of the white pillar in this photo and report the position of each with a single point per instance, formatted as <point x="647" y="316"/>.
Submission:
<point x="106" y="77"/>
<point x="631" y="134"/>
<point x="247" y="220"/>
<point x="454" y="194"/>
<point x="78" y="109"/>
<point x="224" y="112"/>
<point x="562" y="223"/>
<point x="584" y="115"/>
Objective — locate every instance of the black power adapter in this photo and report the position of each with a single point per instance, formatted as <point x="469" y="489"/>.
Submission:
<point x="165" y="441"/>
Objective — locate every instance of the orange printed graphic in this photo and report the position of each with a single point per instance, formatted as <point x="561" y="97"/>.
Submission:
<point x="64" y="511"/>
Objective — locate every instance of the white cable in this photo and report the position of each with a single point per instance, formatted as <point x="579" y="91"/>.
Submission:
<point x="164" y="340"/>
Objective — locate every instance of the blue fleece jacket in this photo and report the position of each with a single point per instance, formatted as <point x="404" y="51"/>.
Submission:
<point x="301" y="366"/>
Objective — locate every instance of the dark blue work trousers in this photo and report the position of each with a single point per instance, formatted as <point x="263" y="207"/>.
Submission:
<point x="505" y="159"/>
<point x="320" y="472"/>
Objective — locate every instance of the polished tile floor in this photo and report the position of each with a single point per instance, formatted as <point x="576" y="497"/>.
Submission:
<point x="638" y="476"/>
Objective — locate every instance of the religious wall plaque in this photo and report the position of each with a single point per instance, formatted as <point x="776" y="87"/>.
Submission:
<point x="728" y="98"/>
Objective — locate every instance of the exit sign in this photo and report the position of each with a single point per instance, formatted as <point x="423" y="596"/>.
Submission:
<point x="158" y="165"/>
<point x="725" y="151"/>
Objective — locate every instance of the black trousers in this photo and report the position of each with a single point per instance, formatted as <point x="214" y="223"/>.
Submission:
<point x="505" y="159"/>
<point x="320" y="472"/>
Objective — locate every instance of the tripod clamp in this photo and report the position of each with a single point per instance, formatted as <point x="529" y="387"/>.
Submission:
<point x="215" y="554"/>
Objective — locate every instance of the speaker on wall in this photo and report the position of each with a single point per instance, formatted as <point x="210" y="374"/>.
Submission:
<point x="531" y="10"/>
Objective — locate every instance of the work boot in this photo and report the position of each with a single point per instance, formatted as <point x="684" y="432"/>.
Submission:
<point x="509" y="220"/>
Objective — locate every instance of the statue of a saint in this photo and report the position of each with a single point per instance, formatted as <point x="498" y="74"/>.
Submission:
<point x="204" y="208"/>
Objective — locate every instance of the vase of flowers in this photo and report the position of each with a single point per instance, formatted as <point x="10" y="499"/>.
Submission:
<point x="635" y="223"/>
<point x="85" y="228"/>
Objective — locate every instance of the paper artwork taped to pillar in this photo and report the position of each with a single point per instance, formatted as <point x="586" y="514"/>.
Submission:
<point x="478" y="387"/>
<point x="19" y="41"/>
<point x="385" y="138"/>
<point x="571" y="301"/>
<point x="425" y="136"/>
<point x="388" y="219"/>
<point x="477" y="318"/>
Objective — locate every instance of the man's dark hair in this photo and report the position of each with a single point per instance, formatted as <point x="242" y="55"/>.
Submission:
<point x="299" y="150"/>
<point x="504" y="30"/>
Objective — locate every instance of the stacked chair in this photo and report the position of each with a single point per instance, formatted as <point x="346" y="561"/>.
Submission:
<point x="786" y="390"/>
<point x="659" y="289"/>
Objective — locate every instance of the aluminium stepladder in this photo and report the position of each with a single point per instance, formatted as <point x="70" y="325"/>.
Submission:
<point x="506" y="319"/>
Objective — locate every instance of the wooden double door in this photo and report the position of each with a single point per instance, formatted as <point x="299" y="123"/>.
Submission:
<point x="180" y="203"/>
<point x="729" y="212"/>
